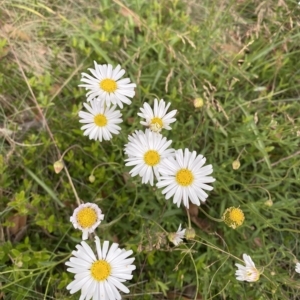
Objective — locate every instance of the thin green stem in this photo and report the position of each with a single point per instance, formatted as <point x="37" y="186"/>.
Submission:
<point x="197" y="277"/>
<point x="210" y="217"/>
<point x="72" y="185"/>
<point x="68" y="149"/>
<point x="103" y="164"/>
<point x="189" y="218"/>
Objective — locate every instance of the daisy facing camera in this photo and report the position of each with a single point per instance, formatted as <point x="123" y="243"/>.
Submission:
<point x="106" y="85"/>
<point x="185" y="177"/>
<point x="100" y="121"/>
<point x="146" y="151"/>
<point x="87" y="217"/>
<point x="100" y="276"/>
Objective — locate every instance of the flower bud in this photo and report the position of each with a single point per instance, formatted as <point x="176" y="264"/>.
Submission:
<point x="269" y="202"/>
<point x="58" y="166"/>
<point x="236" y="164"/>
<point x="92" y="178"/>
<point x="198" y="102"/>
<point x="190" y="233"/>
<point x="19" y="264"/>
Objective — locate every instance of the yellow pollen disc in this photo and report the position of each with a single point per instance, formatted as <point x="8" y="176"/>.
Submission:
<point x="236" y="215"/>
<point x="86" y="217"/>
<point x="233" y="217"/>
<point x="152" y="158"/>
<point x="108" y="85"/>
<point x="155" y="127"/>
<point x="157" y="121"/>
<point x="100" y="270"/>
<point x="184" y="177"/>
<point x="100" y="120"/>
<point x="253" y="272"/>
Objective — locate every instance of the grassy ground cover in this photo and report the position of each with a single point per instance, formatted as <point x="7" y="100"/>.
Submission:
<point x="238" y="59"/>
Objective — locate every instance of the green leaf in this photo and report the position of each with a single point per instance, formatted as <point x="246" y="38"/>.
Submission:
<point x="50" y="192"/>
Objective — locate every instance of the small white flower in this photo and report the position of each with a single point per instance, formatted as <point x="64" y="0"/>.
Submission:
<point x="158" y="118"/>
<point x="297" y="268"/>
<point x="106" y="85"/>
<point x="146" y="151"/>
<point x="248" y="272"/>
<point x="176" y="237"/>
<point x="99" y="278"/>
<point x="87" y="218"/>
<point x="185" y="178"/>
<point x="101" y="122"/>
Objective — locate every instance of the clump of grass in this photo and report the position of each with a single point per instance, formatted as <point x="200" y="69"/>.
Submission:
<point x="240" y="58"/>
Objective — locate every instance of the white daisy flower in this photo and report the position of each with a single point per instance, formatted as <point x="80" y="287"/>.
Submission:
<point x="185" y="178"/>
<point x="132" y="138"/>
<point x="99" y="278"/>
<point x="101" y="121"/>
<point x="87" y="218"/>
<point x="247" y="273"/>
<point x="146" y="151"/>
<point x="106" y="85"/>
<point x="297" y="268"/>
<point x="158" y="118"/>
<point x="176" y="237"/>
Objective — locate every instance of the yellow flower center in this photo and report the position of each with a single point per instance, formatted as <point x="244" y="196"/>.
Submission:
<point x="155" y="127"/>
<point x="233" y="217"/>
<point x="86" y="217"/>
<point x="152" y="158"/>
<point x="157" y="121"/>
<point x="253" y="273"/>
<point x="237" y="215"/>
<point x="184" y="177"/>
<point x="100" y="270"/>
<point x="100" y="120"/>
<point x="108" y="85"/>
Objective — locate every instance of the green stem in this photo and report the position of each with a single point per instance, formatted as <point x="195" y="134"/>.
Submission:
<point x="103" y="164"/>
<point x="189" y="218"/>
<point x="210" y="217"/>
<point x="72" y="185"/>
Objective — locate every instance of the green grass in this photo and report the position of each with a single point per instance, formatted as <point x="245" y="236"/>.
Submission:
<point x="240" y="57"/>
